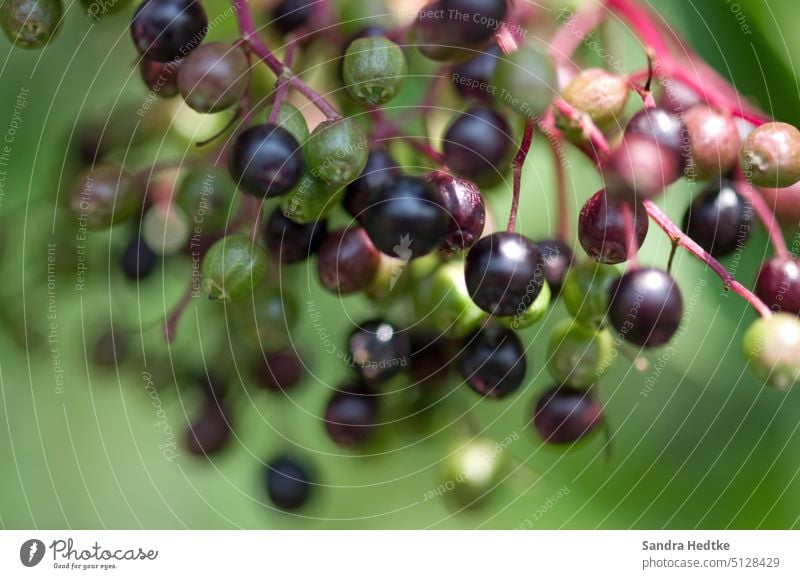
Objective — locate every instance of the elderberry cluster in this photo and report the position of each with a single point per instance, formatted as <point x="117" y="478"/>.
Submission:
<point x="365" y="209"/>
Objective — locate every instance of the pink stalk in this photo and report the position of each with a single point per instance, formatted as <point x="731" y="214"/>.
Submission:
<point x="765" y="215"/>
<point x="516" y="166"/>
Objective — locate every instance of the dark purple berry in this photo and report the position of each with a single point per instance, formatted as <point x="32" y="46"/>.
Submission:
<point x="778" y="284"/>
<point x="645" y="307"/>
<point x="492" y="362"/>
<point x="557" y="258"/>
<point x="279" y="371"/>
<point x="662" y="127"/>
<point x="138" y="261"/>
<point x="431" y="357"/>
<point x="165" y="30"/>
<point x="210" y="432"/>
<point x="719" y="219"/>
<point x="161" y="78"/>
<point x="266" y="161"/>
<point x="564" y="415"/>
<point x="293" y="242"/>
<point x="381" y="169"/>
<point x="640" y="168"/>
<point x="473" y="22"/>
<point x="347" y="261"/>
<point x="466" y="212"/>
<point x="289" y="15"/>
<point x="478" y="145"/>
<point x="288" y="483"/>
<point x="406" y="218"/>
<point x="605" y="224"/>
<point x="504" y="272"/>
<point x="473" y="78"/>
<point x="377" y="351"/>
<point x="213" y="386"/>
<point x="351" y="416"/>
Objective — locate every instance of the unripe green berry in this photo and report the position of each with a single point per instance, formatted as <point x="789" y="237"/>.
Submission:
<point x="374" y="70"/>
<point x="585" y="292"/>
<point x="770" y="155"/>
<point x="105" y="196"/>
<point x="337" y="151"/>
<point x="207" y="197"/>
<point x="446" y="304"/>
<point x="311" y="200"/>
<point x="525" y="81"/>
<point x="165" y="228"/>
<point x="472" y="471"/>
<point x="772" y="347"/>
<point x="267" y="318"/>
<point x="532" y="314"/>
<point x="233" y="266"/>
<point x="599" y="94"/>
<point x="576" y="355"/>
<point x="291" y="119"/>
<point x="30" y="23"/>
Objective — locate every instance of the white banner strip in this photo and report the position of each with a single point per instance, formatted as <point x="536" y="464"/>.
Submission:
<point x="401" y="554"/>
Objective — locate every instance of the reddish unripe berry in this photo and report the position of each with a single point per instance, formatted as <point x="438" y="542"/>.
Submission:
<point x="770" y="155"/>
<point x="347" y="261"/>
<point x="778" y="284"/>
<point x="605" y="224"/>
<point x="713" y="140"/>
<point x="641" y="168"/>
<point x="564" y="415"/>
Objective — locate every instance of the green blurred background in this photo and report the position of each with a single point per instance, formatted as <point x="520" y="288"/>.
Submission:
<point x="706" y="446"/>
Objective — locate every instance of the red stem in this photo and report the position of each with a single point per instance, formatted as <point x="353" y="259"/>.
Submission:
<point x="765" y="215"/>
<point x="680" y="238"/>
<point x="248" y="31"/>
<point x="595" y="135"/>
<point x="283" y="86"/>
<point x="516" y="166"/>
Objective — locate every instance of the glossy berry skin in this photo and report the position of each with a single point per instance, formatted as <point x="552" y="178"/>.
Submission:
<point x="288" y="483"/>
<point x="381" y="168"/>
<point x="472" y="22"/>
<point x="337" y="151"/>
<point x="210" y="433"/>
<point x="640" y="168"/>
<point x="564" y="415"/>
<point x="373" y="70"/>
<point x="266" y="161"/>
<point x="585" y="292"/>
<point x="557" y="258"/>
<point x="279" y="371"/>
<point x="472" y="470"/>
<point x="161" y="78"/>
<point x="347" y="261"/>
<point x="645" y="307"/>
<point x="503" y="271"/>
<point x="292" y="242"/>
<point x="445" y="305"/>
<point x="289" y="15"/>
<point x="478" y="145"/>
<point x="351" y="416"/>
<point x="472" y="78"/>
<point x="233" y="266"/>
<point x="377" y="351"/>
<point x="30" y="23"/>
<point x="406" y="218"/>
<point x="662" y="127"/>
<point x="466" y="212"/>
<point x="138" y="261"/>
<point x="772" y="348"/>
<point x="578" y="355"/>
<point x="213" y="77"/>
<point x="525" y="81"/>
<point x="599" y="94"/>
<point x="770" y="155"/>
<point x="164" y="30"/>
<point x="492" y="362"/>
<point x="719" y="219"/>
<point x="778" y="285"/>
<point x="714" y="142"/>
<point x="604" y="224"/>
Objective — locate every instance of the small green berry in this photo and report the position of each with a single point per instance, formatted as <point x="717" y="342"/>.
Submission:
<point x="337" y="151"/>
<point x="525" y="81"/>
<point x="578" y="356"/>
<point x="207" y="197"/>
<point x="532" y="314"/>
<point x="105" y="196"/>
<point x="374" y="70"/>
<point x="30" y="23"/>
<point x="165" y="228"/>
<point x="311" y="200"/>
<point x="446" y="303"/>
<point x="599" y="94"/>
<point x="472" y="471"/>
<point x="267" y="318"/>
<point x="291" y="119"/>
<point x="585" y="292"/>
<point x="233" y="266"/>
<point x="772" y="347"/>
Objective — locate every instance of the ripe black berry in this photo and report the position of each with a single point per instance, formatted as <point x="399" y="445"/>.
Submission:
<point x="381" y="168"/>
<point x="351" y="415"/>
<point x="289" y="15"/>
<point x="288" y="483"/>
<point x="778" y="285"/>
<point x="662" y="127"/>
<point x="377" y="350"/>
<point x="564" y="415"/>
<point x="504" y="273"/>
<point x="603" y="227"/>
<point x="492" y="362"/>
<point x="719" y="219"/>
<point x="466" y="212"/>
<point x="279" y="371"/>
<point x="347" y="261"/>
<point x="292" y="242"/>
<point x="138" y="260"/>
<point x="164" y="30"/>
<point x="266" y="161"/>
<point x="645" y="307"/>
<point x="478" y="145"/>
<point x="473" y="78"/>
<point x="557" y="258"/>
<point x="472" y="22"/>
<point x="210" y="432"/>
<point x="406" y="218"/>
